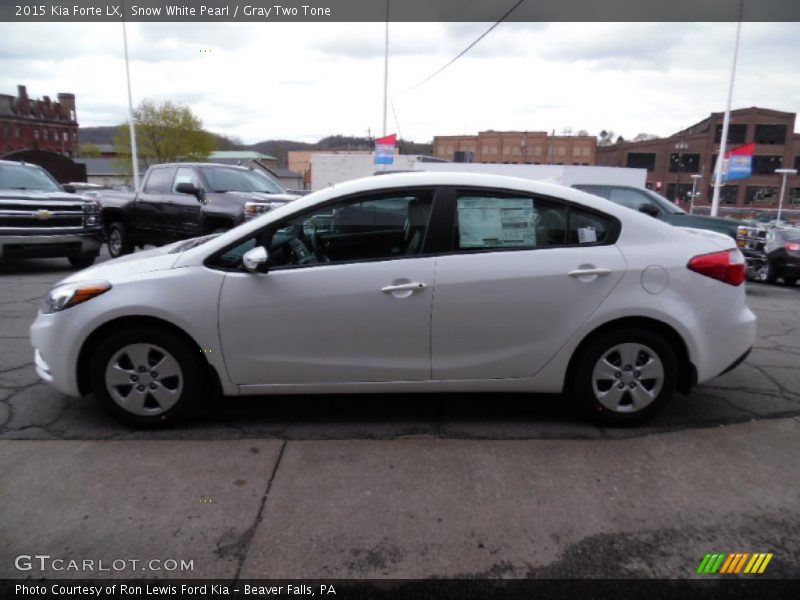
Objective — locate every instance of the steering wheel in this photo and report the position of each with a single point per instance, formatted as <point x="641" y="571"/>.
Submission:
<point x="301" y="252"/>
<point x="316" y="242"/>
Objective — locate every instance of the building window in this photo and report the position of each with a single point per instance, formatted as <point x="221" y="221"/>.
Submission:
<point x="36" y="134"/>
<point x="16" y="131"/>
<point x="727" y="194"/>
<point x="766" y="165"/>
<point x="794" y="196"/>
<point x="770" y="134"/>
<point x="684" y="163"/>
<point x="737" y="133"/>
<point x="684" y="192"/>
<point x="797" y="163"/>
<point x="761" y="195"/>
<point x="576" y="151"/>
<point x="641" y="160"/>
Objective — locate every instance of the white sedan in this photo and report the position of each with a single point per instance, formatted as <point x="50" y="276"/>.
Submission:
<point x="414" y="282"/>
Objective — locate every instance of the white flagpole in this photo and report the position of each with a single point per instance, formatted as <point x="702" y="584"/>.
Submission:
<point x="726" y="122"/>
<point x="134" y="152"/>
<point x="386" y="69"/>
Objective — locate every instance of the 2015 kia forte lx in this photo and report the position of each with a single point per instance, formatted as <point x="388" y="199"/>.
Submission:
<point x="412" y="282"/>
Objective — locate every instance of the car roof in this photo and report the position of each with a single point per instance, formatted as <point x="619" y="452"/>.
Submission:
<point x="20" y="163"/>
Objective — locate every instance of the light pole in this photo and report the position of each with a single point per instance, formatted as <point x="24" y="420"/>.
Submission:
<point x="783" y="172"/>
<point x="695" y="178"/>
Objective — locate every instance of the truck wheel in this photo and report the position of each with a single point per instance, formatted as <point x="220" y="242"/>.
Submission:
<point x="789" y="280"/>
<point x="81" y="262"/>
<point x="118" y="241"/>
<point x="766" y="274"/>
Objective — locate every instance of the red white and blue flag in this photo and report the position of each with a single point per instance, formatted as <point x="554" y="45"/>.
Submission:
<point x="384" y="149"/>
<point x="738" y="163"/>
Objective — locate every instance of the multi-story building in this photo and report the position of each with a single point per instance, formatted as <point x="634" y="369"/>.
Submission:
<point x="29" y="124"/>
<point x="671" y="161"/>
<point x="517" y="148"/>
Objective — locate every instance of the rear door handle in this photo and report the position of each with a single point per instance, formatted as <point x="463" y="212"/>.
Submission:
<point x="585" y="272"/>
<point x="403" y="287"/>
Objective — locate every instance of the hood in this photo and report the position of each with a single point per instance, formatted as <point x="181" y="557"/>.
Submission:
<point x="262" y="197"/>
<point x="157" y="259"/>
<point x="39" y="195"/>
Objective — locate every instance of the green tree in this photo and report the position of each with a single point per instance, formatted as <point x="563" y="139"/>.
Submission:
<point x="165" y="132"/>
<point x="88" y="150"/>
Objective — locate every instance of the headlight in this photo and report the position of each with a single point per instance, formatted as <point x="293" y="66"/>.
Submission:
<point x="65" y="296"/>
<point x="253" y="209"/>
<point x="91" y="213"/>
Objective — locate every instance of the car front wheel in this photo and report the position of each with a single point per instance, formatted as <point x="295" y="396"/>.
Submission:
<point x="625" y="376"/>
<point x="146" y="377"/>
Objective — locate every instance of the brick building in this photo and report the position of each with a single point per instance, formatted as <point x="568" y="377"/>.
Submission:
<point x="671" y="161"/>
<point x="517" y="148"/>
<point x="30" y="124"/>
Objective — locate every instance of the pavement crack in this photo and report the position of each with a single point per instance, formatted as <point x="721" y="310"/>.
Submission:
<point x="246" y="539"/>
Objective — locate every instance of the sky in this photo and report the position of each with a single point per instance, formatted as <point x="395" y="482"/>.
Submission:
<point x="304" y="81"/>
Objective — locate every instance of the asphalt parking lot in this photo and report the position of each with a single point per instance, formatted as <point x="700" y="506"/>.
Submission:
<point x="406" y="485"/>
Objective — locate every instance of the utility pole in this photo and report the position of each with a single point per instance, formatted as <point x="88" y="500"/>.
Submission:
<point x="134" y="151"/>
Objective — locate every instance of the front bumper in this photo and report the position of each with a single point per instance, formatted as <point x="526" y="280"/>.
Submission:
<point x="51" y="244"/>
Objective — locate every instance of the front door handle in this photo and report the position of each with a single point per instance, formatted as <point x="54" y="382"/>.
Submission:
<point x="587" y="272"/>
<point x="403" y="287"/>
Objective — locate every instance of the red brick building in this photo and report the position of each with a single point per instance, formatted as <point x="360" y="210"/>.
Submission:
<point x="31" y="124"/>
<point x="671" y="161"/>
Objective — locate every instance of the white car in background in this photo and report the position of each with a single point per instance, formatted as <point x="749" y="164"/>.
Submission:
<point x="416" y="282"/>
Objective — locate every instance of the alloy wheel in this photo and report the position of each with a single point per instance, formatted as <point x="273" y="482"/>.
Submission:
<point x="144" y="379"/>
<point x="627" y="378"/>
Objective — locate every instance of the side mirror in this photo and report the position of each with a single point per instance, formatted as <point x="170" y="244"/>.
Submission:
<point x="648" y="209"/>
<point x="256" y="260"/>
<point x="187" y="187"/>
<point x="69" y="188"/>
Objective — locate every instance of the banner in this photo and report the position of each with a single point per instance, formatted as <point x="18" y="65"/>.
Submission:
<point x="384" y="149"/>
<point x="738" y="163"/>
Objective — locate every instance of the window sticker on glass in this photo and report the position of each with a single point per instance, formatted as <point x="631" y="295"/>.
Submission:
<point x="495" y="222"/>
<point x="587" y="235"/>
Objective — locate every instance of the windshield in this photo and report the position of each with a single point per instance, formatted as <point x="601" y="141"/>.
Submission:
<point x="791" y="235"/>
<point x="222" y="179"/>
<point x="665" y="204"/>
<point x="25" y="177"/>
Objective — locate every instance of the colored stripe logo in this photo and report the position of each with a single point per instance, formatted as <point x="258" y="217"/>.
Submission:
<point x="737" y="562"/>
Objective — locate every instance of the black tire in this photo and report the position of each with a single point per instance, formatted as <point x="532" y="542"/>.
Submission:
<point x="789" y="280"/>
<point x="766" y="274"/>
<point x="189" y="385"/>
<point x="81" y="262"/>
<point x="119" y="242"/>
<point x="580" y="386"/>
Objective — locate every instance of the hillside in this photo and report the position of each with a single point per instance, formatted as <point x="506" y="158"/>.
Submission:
<point x="277" y="148"/>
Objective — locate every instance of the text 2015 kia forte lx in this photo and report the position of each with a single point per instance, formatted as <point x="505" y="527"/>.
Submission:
<point x="412" y="282"/>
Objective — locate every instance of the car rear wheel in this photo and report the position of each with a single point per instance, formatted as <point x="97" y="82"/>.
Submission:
<point x="146" y="377"/>
<point x="625" y="376"/>
<point x="119" y="242"/>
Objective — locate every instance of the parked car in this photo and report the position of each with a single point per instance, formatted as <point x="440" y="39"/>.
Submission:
<point x="781" y="257"/>
<point x="417" y="282"/>
<point x="185" y="200"/>
<point x="40" y="219"/>
<point x="655" y="205"/>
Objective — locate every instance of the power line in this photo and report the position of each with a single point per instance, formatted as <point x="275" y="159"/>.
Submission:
<point x="467" y="49"/>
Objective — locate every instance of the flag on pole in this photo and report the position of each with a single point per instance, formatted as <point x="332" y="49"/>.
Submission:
<point x="384" y="149"/>
<point x="738" y="163"/>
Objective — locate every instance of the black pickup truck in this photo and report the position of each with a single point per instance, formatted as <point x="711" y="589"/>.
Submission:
<point x="40" y="219"/>
<point x="185" y="200"/>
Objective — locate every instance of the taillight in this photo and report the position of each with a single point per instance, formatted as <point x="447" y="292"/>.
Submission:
<point x="727" y="266"/>
<point x="792" y="246"/>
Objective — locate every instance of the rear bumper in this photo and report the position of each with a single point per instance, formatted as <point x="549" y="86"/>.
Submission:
<point x="738" y="361"/>
<point x="51" y="245"/>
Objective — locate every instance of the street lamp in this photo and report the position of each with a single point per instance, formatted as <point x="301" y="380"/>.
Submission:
<point x="783" y="172"/>
<point x="695" y="178"/>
